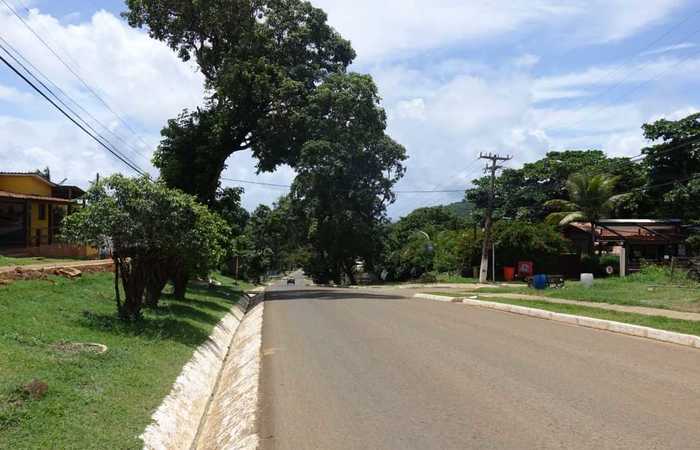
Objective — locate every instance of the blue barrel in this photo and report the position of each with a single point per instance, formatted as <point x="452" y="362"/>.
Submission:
<point x="539" y="281"/>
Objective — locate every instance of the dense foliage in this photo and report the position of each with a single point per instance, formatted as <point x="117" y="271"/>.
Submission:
<point x="262" y="62"/>
<point x="344" y="177"/>
<point x="153" y="232"/>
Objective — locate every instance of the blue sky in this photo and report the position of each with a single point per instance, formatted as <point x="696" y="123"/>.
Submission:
<point x="519" y="77"/>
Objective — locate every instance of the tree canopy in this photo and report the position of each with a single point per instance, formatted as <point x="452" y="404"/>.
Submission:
<point x="262" y="62"/>
<point x="521" y="193"/>
<point x="673" y="164"/>
<point x="345" y="173"/>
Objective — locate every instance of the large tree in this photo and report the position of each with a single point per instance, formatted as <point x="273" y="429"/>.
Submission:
<point x="521" y="193"/>
<point x="262" y="60"/>
<point x="673" y="163"/>
<point x="345" y="175"/>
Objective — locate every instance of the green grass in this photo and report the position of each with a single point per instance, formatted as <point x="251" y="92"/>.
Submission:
<point x="25" y="261"/>
<point x="452" y="278"/>
<point x="662" y="323"/>
<point x="633" y="291"/>
<point x="93" y="401"/>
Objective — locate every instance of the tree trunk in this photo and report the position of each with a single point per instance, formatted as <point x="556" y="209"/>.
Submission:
<point x="115" y="260"/>
<point x="179" y="278"/>
<point x="133" y="281"/>
<point x="157" y="279"/>
<point x="349" y="273"/>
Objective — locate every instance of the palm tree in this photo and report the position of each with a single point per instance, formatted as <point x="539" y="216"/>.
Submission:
<point x="591" y="198"/>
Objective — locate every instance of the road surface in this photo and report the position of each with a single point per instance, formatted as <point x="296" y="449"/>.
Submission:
<point x="351" y="369"/>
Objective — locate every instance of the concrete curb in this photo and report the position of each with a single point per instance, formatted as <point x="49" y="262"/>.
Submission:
<point x="588" y="322"/>
<point x="176" y="422"/>
<point x="231" y="419"/>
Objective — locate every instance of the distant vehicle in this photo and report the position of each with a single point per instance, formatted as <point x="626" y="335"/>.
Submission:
<point x="291" y="281"/>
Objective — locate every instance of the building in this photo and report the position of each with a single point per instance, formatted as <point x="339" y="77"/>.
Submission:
<point x="31" y="211"/>
<point x="634" y="240"/>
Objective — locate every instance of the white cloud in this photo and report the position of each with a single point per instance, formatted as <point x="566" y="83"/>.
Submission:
<point x="571" y="85"/>
<point x="669" y="48"/>
<point x="12" y="95"/>
<point x="411" y="109"/>
<point x="527" y="60"/>
<point x="392" y="28"/>
<point x="140" y="78"/>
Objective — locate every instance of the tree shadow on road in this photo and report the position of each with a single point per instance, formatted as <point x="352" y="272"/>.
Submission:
<point x="323" y="294"/>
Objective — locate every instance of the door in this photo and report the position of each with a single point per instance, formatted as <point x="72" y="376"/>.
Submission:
<point x="12" y="224"/>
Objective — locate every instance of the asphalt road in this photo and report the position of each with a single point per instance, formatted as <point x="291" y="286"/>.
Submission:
<point x="349" y="369"/>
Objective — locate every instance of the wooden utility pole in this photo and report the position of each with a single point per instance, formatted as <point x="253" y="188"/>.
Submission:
<point x="488" y="220"/>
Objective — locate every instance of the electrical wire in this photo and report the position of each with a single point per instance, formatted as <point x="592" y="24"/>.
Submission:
<point x="50" y="91"/>
<point x="74" y="72"/>
<point x="69" y="117"/>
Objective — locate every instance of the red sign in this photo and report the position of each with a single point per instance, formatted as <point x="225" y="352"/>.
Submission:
<point x="525" y="269"/>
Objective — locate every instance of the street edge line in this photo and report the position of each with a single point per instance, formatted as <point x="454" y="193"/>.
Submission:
<point x="656" y="334"/>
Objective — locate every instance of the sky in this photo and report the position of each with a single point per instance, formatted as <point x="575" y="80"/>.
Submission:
<point x="515" y="77"/>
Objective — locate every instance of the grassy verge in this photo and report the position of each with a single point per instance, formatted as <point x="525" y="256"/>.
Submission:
<point x="662" y="323"/>
<point x="6" y="261"/>
<point x="451" y="278"/>
<point x="94" y="401"/>
<point x="653" y="288"/>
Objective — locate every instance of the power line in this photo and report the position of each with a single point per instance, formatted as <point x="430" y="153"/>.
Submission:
<point x="55" y="86"/>
<point x="636" y="88"/>
<point x="70" y="69"/>
<point x="40" y="92"/>
<point x="647" y="47"/>
<point x="287" y="186"/>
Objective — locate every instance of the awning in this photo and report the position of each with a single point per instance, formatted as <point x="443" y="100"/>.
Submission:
<point x="39" y="198"/>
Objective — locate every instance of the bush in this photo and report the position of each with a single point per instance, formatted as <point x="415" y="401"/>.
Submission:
<point x="590" y="264"/>
<point x="609" y="260"/>
<point x="693" y="243"/>
<point x="658" y="274"/>
<point x="428" y="277"/>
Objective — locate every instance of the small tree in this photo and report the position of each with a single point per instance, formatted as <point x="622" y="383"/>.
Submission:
<point x="518" y="240"/>
<point x="151" y="230"/>
<point x="591" y="198"/>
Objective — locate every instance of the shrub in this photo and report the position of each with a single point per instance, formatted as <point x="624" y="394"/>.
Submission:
<point x="609" y="260"/>
<point x="155" y="233"/>
<point x="658" y="274"/>
<point x="590" y="264"/>
<point x="428" y="277"/>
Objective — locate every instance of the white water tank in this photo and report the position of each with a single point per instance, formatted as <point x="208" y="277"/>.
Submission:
<point x="587" y="279"/>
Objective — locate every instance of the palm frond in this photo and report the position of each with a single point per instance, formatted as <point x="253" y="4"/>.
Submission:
<point x="564" y="218"/>
<point x="560" y="205"/>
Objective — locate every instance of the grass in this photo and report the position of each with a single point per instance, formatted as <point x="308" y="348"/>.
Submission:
<point x="453" y="278"/>
<point x="662" y="323"/>
<point x="94" y="401"/>
<point x="620" y="292"/>
<point x="654" y="287"/>
<point x="6" y="261"/>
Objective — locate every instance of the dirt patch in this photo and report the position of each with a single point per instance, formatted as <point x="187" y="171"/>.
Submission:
<point x="72" y="270"/>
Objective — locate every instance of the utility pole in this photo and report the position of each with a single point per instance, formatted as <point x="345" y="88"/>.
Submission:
<point x="488" y="220"/>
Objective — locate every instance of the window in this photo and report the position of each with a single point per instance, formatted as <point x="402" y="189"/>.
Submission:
<point x="42" y="211"/>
